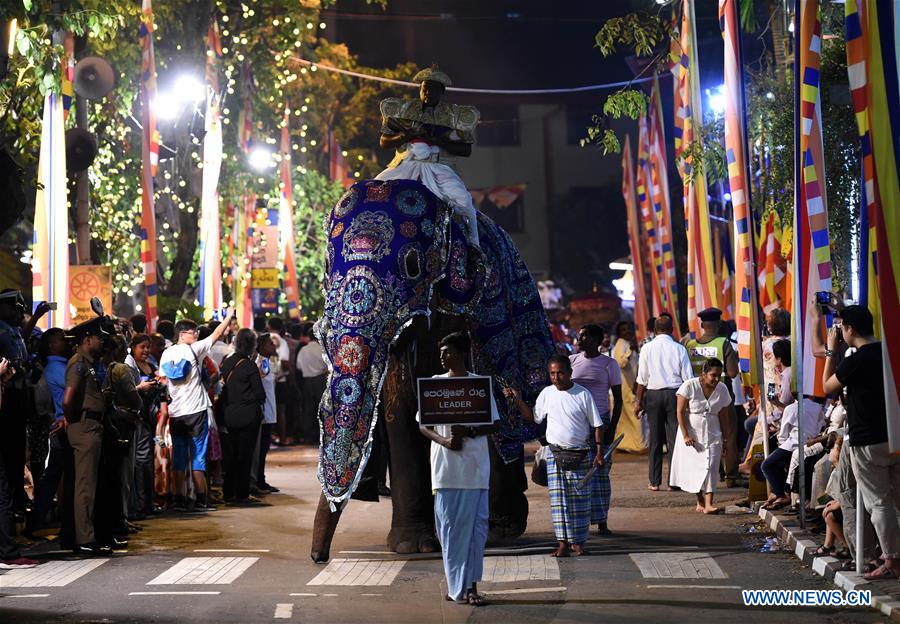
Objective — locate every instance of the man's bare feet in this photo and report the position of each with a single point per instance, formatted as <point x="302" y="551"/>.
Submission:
<point x="562" y="551"/>
<point x="711" y="510"/>
<point x="777" y="502"/>
<point x="578" y="550"/>
<point x="653" y="488"/>
<point x="699" y="508"/>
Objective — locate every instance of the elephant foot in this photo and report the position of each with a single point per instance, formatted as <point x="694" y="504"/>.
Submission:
<point x="323" y="531"/>
<point x="411" y="540"/>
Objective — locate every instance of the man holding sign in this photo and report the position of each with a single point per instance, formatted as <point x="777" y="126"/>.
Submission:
<point x="460" y="469"/>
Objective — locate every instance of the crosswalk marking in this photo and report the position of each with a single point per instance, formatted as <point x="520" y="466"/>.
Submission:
<point x="205" y="571"/>
<point x="51" y="574"/>
<point x="677" y="565"/>
<point x="527" y="568"/>
<point x="284" y="611"/>
<point x="358" y="572"/>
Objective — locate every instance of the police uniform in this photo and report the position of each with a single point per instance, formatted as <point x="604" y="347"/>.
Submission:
<point x="85" y="431"/>
<point x="14" y="408"/>
<point x="719" y="347"/>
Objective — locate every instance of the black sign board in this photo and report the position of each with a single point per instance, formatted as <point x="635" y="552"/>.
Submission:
<point x="455" y="401"/>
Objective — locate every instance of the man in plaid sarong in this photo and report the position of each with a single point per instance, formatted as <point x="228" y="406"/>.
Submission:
<point x="574" y="431"/>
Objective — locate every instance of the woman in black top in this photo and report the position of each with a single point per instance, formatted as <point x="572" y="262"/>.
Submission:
<point x="243" y="396"/>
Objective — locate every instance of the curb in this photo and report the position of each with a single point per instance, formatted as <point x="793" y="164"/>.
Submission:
<point x="802" y="545"/>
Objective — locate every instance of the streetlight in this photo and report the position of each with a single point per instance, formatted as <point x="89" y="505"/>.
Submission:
<point x="716" y="99"/>
<point x="260" y="159"/>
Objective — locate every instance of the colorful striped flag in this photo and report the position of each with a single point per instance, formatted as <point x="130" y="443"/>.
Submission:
<point x="726" y="293"/>
<point x="210" y="291"/>
<point x="286" y="221"/>
<point x="50" y="250"/>
<point x="702" y="291"/>
<point x="68" y="74"/>
<point x="641" y="313"/>
<point x="662" y="212"/>
<point x="245" y="217"/>
<point x="658" y="292"/>
<point x="748" y="322"/>
<point x="245" y="117"/>
<point x="149" y="163"/>
<point x="873" y="48"/>
<point x="812" y="255"/>
<point x="772" y="267"/>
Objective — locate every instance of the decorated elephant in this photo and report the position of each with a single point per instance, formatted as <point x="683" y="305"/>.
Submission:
<point x="400" y="275"/>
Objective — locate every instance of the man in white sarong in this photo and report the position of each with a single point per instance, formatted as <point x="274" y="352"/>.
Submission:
<point x="429" y="135"/>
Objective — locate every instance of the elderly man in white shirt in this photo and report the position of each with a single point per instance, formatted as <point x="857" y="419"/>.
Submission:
<point x="314" y="371"/>
<point x="663" y="365"/>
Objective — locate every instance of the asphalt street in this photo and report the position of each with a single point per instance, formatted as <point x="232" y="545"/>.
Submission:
<point x="664" y="563"/>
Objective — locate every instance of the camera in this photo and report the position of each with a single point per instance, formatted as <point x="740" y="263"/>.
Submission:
<point x="770" y="392"/>
<point x="823" y="297"/>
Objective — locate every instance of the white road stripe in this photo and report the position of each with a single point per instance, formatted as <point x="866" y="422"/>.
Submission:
<point x="174" y="593"/>
<point x="232" y="550"/>
<point x="673" y="586"/>
<point x="529" y="590"/>
<point x="305" y="595"/>
<point x="677" y="565"/>
<point x="51" y="574"/>
<point x="284" y="611"/>
<point x="510" y="569"/>
<point x="356" y="572"/>
<point x="25" y="596"/>
<point x="205" y="571"/>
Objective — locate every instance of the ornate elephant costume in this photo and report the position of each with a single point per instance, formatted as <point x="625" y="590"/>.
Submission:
<point x="396" y="252"/>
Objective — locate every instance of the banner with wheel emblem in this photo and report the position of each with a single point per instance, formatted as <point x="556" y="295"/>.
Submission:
<point x="86" y="281"/>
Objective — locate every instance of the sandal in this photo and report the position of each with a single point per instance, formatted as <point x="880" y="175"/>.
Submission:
<point x="824" y="551"/>
<point x="476" y="600"/>
<point x="880" y="573"/>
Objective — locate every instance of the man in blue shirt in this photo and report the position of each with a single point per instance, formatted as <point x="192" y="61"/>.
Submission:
<point x="54" y="352"/>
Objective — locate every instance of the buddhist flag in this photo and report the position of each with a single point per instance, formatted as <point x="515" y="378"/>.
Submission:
<point x="149" y="162"/>
<point x="812" y="255"/>
<point x="662" y="212"/>
<point x="772" y="267"/>
<point x="286" y="222"/>
<point x="68" y="74"/>
<point x="748" y="323"/>
<point x="210" y="291"/>
<point x="245" y="117"/>
<point x="726" y="298"/>
<point x="50" y="250"/>
<point x="245" y="218"/>
<point x="641" y="313"/>
<point x="701" y="286"/>
<point x="872" y="62"/>
<point x="657" y="289"/>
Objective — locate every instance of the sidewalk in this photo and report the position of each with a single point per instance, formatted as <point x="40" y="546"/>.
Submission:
<point x="885" y="594"/>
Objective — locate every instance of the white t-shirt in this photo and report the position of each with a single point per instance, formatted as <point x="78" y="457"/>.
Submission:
<point x="466" y="469"/>
<point x="571" y="416"/>
<point x="813" y="417"/>
<point x="188" y="395"/>
<point x="284" y="354"/>
<point x="219" y="351"/>
<point x="270" y="415"/>
<point x="310" y="360"/>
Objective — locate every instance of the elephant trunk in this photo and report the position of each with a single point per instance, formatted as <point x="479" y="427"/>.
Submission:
<point x="323" y="530"/>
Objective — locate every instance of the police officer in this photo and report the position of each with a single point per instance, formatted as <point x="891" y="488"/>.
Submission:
<point x="83" y="408"/>
<point x="711" y="345"/>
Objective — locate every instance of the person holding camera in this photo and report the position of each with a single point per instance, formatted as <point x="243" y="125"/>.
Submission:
<point x="861" y="376"/>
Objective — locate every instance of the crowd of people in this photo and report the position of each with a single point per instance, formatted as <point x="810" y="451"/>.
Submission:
<point x="104" y="425"/>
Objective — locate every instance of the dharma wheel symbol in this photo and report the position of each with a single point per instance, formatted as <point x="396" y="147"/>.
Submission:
<point x="85" y="286"/>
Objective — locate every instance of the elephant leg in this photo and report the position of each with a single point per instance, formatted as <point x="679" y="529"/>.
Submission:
<point x="508" y="504"/>
<point x="323" y="530"/>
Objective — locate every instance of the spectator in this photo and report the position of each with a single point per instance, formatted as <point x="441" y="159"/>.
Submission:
<point x="220" y="349"/>
<point x="283" y="351"/>
<point x="157" y="346"/>
<point x="182" y="364"/>
<point x="243" y="399"/>
<point x="83" y="408"/>
<point x="574" y="434"/>
<point x="778" y="327"/>
<point x="267" y="354"/>
<point x="600" y="375"/>
<point x="311" y="362"/>
<point x="460" y="478"/>
<point x="778" y="396"/>
<point x="166" y="329"/>
<point x="775" y="467"/>
<point x="877" y="470"/>
<point x="703" y="404"/>
<point x="54" y="353"/>
<point x="651" y="332"/>
<point x="663" y="366"/>
<point x="138" y="324"/>
<point x="625" y="353"/>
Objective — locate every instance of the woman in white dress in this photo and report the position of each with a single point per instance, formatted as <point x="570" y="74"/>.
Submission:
<point x="702" y="406"/>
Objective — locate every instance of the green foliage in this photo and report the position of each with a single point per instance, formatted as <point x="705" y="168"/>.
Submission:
<point x="641" y="32"/>
<point x="630" y="103"/>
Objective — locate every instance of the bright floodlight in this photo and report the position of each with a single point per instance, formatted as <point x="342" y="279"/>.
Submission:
<point x="260" y="158"/>
<point x="189" y="89"/>
<point x="166" y="105"/>
<point x="716" y="99"/>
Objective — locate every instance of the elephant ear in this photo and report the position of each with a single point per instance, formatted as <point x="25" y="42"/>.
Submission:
<point x="466" y="275"/>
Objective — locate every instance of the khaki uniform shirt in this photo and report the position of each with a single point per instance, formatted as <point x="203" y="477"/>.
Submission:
<point x="81" y="375"/>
